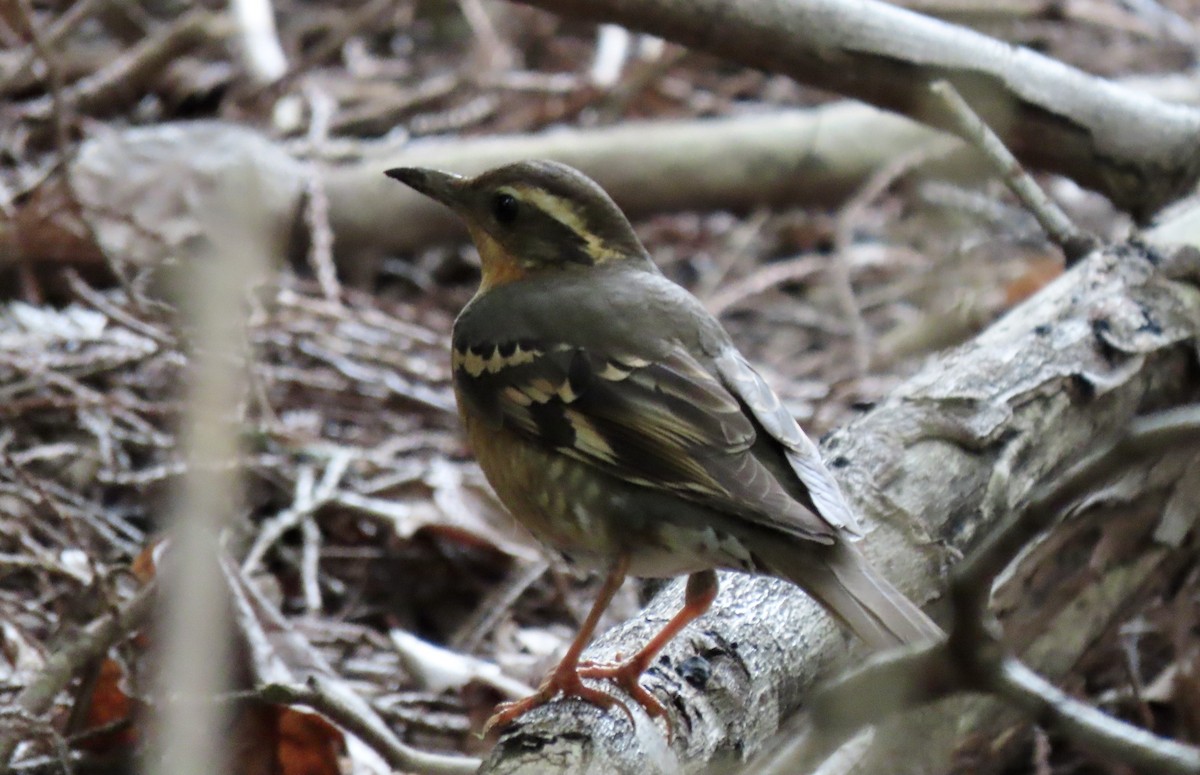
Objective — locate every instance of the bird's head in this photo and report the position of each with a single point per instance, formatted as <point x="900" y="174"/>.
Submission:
<point x="532" y="217"/>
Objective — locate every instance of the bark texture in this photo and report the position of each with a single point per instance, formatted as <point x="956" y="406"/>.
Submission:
<point x="940" y="462"/>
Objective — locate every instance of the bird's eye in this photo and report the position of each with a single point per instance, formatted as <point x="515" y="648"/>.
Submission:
<point x="504" y="207"/>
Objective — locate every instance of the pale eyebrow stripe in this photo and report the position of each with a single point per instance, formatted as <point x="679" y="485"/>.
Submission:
<point x="567" y="213"/>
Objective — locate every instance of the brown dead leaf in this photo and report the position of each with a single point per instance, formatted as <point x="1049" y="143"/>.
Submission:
<point x="308" y="744"/>
<point x="108" y="704"/>
<point x="277" y="740"/>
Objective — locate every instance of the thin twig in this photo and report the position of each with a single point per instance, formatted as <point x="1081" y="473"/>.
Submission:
<point x="316" y="211"/>
<point x="98" y="302"/>
<point x="93" y="642"/>
<point x="350" y="712"/>
<point x="62" y="103"/>
<point x="496" y="54"/>
<point x="1099" y="733"/>
<point x="847" y="222"/>
<point x="765" y="278"/>
<point x="494" y="606"/>
<point x="60" y="106"/>
<point x="124" y="77"/>
<point x="309" y="496"/>
<point x="15" y="79"/>
<point x="1075" y="242"/>
<point x="262" y="53"/>
<point x="736" y="247"/>
<point x="310" y="563"/>
<point x="44" y="499"/>
<point x="367" y="16"/>
<point x="438" y="669"/>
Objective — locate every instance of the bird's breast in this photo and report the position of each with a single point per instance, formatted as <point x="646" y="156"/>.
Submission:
<point x="592" y="517"/>
<point x="554" y="497"/>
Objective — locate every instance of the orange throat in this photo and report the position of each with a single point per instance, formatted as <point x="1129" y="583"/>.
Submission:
<point x="499" y="266"/>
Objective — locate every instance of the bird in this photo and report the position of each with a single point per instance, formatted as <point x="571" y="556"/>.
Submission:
<point x="617" y="421"/>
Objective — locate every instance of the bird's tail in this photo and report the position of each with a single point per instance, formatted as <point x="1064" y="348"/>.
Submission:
<point x="840" y="579"/>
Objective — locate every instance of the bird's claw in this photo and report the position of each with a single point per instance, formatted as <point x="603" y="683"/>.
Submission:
<point x="626" y="675"/>
<point x="564" y="682"/>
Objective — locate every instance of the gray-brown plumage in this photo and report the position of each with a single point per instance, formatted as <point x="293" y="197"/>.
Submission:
<point x="618" y="422"/>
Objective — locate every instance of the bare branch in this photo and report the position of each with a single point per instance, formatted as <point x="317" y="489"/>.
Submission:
<point x="344" y="708"/>
<point x="1139" y="152"/>
<point x="1074" y="242"/>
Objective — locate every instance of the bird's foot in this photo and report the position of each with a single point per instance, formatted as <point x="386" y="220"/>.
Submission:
<point x="564" y="681"/>
<point x="626" y="674"/>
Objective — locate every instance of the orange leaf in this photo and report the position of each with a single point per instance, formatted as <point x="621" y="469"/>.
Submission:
<point x="108" y="704"/>
<point x="308" y="744"/>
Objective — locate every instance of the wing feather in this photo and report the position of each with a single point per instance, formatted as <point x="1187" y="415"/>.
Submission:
<point x="802" y="454"/>
<point x="666" y="423"/>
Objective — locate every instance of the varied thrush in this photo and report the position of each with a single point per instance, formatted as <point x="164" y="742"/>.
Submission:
<point x="617" y="421"/>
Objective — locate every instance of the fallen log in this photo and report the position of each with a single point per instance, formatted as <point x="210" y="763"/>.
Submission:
<point x="935" y="466"/>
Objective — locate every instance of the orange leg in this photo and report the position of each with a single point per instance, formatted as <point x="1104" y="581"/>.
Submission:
<point x="565" y="678"/>
<point x="700" y="593"/>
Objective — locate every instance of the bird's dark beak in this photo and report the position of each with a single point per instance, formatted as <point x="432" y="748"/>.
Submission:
<point x="442" y="186"/>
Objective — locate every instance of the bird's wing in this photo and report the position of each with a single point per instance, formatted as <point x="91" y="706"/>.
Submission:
<point x="753" y="391"/>
<point x="665" y="423"/>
